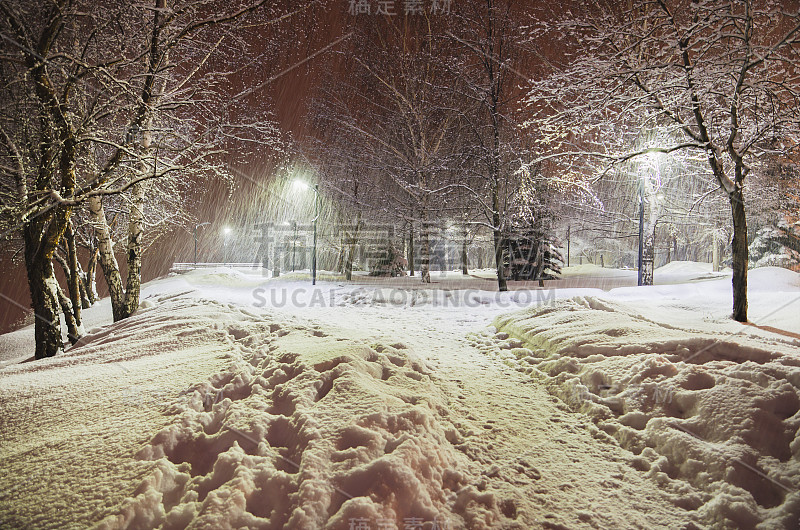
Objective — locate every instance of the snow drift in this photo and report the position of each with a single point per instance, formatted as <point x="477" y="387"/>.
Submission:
<point x="711" y="413"/>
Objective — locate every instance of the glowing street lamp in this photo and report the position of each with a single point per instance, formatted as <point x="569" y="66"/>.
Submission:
<point x="227" y="232"/>
<point x="299" y="184"/>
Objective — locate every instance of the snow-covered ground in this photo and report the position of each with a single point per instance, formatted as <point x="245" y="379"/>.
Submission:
<point x="231" y="400"/>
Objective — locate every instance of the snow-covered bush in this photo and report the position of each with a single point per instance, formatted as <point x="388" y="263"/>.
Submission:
<point x="777" y="246"/>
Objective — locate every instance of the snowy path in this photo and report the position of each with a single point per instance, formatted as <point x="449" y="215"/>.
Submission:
<point x="546" y="466"/>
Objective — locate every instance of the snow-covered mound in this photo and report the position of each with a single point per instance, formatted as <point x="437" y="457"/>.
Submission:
<point x="773" y="279"/>
<point x="304" y="432"/>
<point x="204" y="413"/>
<point x="685" y="267"/>
<point x="588" y="269"/>
<point x="686" y="271"/>
<point x="711" y="413"/>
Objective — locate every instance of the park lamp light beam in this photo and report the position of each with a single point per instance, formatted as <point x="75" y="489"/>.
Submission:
<point x="226" y="231"/>
<point x="301" y="184"/>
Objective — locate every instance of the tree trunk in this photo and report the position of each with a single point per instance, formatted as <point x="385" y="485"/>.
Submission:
<point x="45" y="306"/>
<point x="740" y="255"/>
<point x="648" y="258"/>
<point x="108" y="262"/>
<point x="42" y="235"/>
<point x="348" y="265"/>
<point x="425" y="256"/>
<point x="442" y="254"/>
<point x="502" y="284"/>
<point x="70" y="316"/>
<point x="41" y="243"/>
<point x="464" y="256"/>
<point x="73" y="332"/>
<point x="352" y="240"/>
<point x="715" y="253"/>
<point x="411" y="249"/>
<point x="90" y="277"/>
<point x="341" y="258"/>
<point x="540" y="261"/>
<point x="675" y="248"/>
<point x="85" y="302"/>
<point x="497" y="231"/>
<point x="73" y="278"/>
<point x="134" y="251"/>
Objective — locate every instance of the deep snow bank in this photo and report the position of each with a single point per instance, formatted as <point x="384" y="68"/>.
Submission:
<point x="711" y="413"/>
<point x="306" y="430"/>
<point x="70" y="425"/>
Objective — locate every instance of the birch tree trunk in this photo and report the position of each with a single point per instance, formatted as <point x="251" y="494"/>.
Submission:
<point x="107" y="259"/>
<point x="648" y="256"/>
<point x="134" y="250"/>
<point x="90" y="277"/>
<point x="73" y="332"/>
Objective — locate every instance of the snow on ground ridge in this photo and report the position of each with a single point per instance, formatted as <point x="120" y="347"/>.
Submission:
<point x="712" y="417"/>
<point x="291" y="436"/>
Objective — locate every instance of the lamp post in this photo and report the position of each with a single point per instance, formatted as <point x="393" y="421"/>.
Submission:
<point x="641" y="231"/>
<point x="316" y="217"/>
<point x="195" y="241"/>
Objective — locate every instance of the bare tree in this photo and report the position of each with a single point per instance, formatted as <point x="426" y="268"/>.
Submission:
<point x="46" y="52"/>
<point x="489" y="40"/>
<point x="395" y="122"/>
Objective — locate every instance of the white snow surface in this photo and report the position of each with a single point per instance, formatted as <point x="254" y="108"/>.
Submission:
<point x="230" y="400"/>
